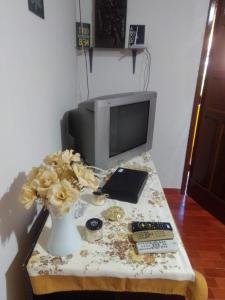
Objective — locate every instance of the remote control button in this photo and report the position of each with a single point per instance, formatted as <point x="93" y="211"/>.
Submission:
<point x="162" y="246"/>
<point x="141" y="226"/>
<point x="152" y="235"/>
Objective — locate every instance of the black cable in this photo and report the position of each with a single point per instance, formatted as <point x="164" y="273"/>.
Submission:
<point x="150" y="62"/>
<point x="80" y="11"/>
<point x="146" y="71"/>
<point x="85" y="55"/>
<point x="148" y="54"/>
<point x="86" y="67"/>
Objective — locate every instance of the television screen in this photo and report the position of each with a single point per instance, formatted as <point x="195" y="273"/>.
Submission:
<point x="110" y="129"/>
<point x="110" y="23"/>
<point x="128" y="127"/>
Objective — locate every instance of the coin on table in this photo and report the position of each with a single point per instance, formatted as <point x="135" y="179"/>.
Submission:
<point x="114" y="213"/>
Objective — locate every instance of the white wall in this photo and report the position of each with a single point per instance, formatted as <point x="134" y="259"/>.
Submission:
<point x="174" y="33"/>
<point x="37" y="79"/>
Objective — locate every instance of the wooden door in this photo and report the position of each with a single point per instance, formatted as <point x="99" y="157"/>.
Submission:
<point x="207" y="173"/>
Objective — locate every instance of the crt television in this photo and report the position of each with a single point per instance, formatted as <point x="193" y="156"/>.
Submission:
<point x="110" y="129"/>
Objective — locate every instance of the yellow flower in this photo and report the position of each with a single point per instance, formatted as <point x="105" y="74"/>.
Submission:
<point x="32" y="174"/>
<point x="69" y="175"/>
<point x="58" y="182"/>
<point x="62" y="195"/>
<point x="53" y="158"/>
<point x="28" y="195"/>
<point x="85" y="176"/>
<point x="44" y="179"/>
<point x="67" y="157"/>
<point x="62" y="157"/>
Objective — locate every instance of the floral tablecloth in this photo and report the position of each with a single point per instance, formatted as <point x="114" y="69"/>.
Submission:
<point x="114" y="256"/>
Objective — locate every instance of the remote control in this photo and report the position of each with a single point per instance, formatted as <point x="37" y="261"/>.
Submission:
<point x="140" y="226"/>
<point x="157" y="246"/>
<point x="152" y="235"/>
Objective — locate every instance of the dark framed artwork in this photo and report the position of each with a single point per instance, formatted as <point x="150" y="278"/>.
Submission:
<point x="37" y="7"/>
<point x="110" y="23"/>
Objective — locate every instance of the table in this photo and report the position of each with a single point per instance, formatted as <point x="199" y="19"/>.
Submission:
<point x="112" y="264"/>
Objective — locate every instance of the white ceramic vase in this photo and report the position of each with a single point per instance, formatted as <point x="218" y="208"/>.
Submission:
<point x="64" y="237"/>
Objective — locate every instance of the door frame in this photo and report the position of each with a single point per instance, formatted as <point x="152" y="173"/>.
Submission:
<point x="195" y="109"/>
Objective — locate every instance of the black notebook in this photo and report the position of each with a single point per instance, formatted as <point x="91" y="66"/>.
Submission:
<point x="125" y="185"/>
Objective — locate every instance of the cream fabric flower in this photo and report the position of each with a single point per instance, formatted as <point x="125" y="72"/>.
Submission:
<point x="57" y="183"/>
<point x="68" y="157"/>
<point x="53" y="158"/>
<point x="28" y="195"/>
<point x="69" y="175"/>
<point x="85" y="176"/>
<point x="60" y="158"/>
<point x="62" y="195"/>
<point x="44" y="179"/>
<point x="32" y="174"/>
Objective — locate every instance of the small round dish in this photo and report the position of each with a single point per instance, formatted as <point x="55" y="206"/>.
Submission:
<point x="98" y="198"/>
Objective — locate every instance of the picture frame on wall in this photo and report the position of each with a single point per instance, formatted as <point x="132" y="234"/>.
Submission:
<point x="83" y="35"/>
<point x="37" y="7"/>
<point x="110" y="23"/>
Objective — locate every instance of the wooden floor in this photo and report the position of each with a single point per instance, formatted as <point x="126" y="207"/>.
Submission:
<point x="204" y="240"/>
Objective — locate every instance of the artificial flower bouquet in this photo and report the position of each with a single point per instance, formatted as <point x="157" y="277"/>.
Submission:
<point x="58" y="181"/>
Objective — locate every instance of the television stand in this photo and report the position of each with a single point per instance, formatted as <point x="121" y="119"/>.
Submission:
<point x="111" y="266"/>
